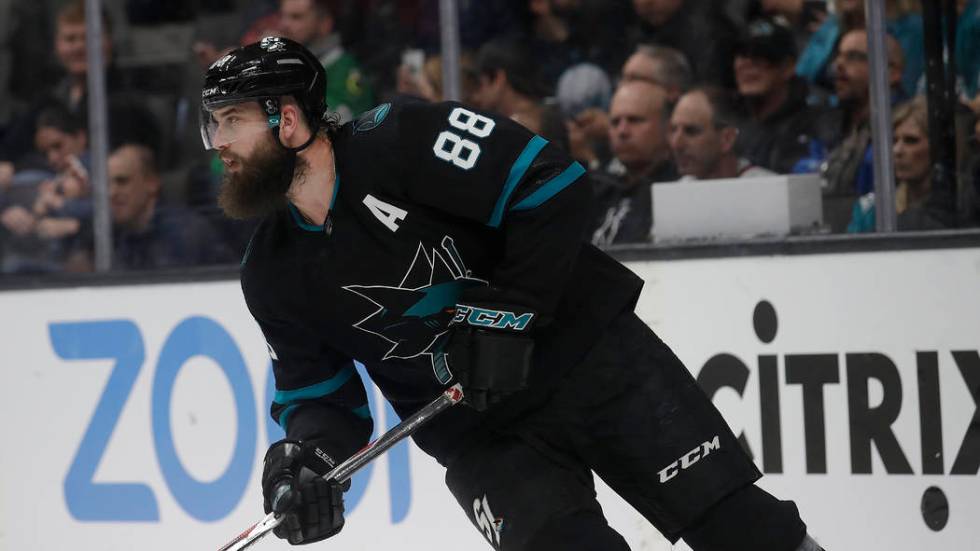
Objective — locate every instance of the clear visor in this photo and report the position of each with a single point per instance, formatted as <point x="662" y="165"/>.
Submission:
<point x="226" y="126"/>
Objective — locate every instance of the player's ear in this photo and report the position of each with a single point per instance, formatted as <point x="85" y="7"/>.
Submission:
<point x="290" y="122"/>
<point x="287" y="120"/>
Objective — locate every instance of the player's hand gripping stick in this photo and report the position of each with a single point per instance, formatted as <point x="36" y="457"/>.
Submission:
<point x="452" y="396"/>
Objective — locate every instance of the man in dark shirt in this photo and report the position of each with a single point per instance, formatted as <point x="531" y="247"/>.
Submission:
<point x="437" y="244"/>
<point x="147" y="235"/>
<point x="781" y="128"/>
<point x="849" y="169"/>
<point x="638" y="139"/>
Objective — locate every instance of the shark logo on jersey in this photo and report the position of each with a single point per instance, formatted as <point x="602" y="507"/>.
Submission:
<point x="415" y="315"/>
<point x="371" y="119"/>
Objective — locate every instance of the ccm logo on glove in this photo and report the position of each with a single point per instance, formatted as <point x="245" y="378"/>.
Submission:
<point x="492" y="319"/>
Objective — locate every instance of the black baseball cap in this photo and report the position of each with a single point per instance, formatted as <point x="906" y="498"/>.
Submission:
<point x="767" y="38"/>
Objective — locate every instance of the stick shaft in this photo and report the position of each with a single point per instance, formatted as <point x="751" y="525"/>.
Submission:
<point x="396" y="434"/>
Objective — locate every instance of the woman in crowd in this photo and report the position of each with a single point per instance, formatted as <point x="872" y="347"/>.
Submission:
<point x="916" y="204"/>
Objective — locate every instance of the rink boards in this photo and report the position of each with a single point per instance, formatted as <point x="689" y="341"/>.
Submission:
<point x="136" y="416"/>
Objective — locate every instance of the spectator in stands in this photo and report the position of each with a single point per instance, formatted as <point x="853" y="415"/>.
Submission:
<point x="311" y="23"/>
<point x="848" y="171"/>
<point x="563" y="33"/>
<point x="968" y="51"/>
<point x="553" y="37"/>
<point x="129" y="119"/>
<point x="781" y="128"/>
<point x="510" y="85"/>
<point x="70" y="90"/>
<point x="700" y="29"/>
<point x="61" y="138"/>
<point x="44" y="210"/>
<point x="803" y="17"/>
<point x="70" y="48"/>
<point x="917" y="205"/>
<point x="665" y="67"/>
<point x="703" y="135"/>
<point x="581" y="87"/>
<point x="425" y="80"/>
<point x="26" y="37"/>
<point x="904" y="23"/>
<point x="585" y="89"/>
<point x="147" y="235"/>
<point x="637" y="134"/>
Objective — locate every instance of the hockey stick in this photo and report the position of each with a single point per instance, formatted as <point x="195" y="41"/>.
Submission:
<point x="452" y="396"/>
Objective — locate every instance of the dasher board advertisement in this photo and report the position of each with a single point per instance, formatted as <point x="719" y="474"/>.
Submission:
<point x="137" y="416"/>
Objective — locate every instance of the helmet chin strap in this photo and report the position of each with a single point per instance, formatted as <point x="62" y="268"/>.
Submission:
<point x="272" y="110"/>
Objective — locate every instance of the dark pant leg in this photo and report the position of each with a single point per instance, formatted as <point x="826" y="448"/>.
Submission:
<point x="636" y="416"/>
<point x="519" y="498"/>
<point x="750" y="518"/>
<point x="581" y="531"/>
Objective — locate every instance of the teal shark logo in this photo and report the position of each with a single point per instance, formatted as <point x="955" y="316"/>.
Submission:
<point x="369" y="120"/>
<point x="414" y="315"/>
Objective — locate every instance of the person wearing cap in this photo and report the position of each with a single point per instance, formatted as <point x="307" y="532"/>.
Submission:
<point x="781" y="128"/>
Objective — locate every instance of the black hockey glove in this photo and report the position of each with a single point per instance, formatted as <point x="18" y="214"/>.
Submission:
<point x="292" y="486"/>
<point x="490" y="349"/>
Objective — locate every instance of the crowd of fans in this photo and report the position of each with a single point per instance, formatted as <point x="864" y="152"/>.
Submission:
<point x="641" y="92"/>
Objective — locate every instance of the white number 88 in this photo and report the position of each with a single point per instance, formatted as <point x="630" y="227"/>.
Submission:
<point x="463" y="153"/>
<point x="467" y="120"/>
<point x="460" y="147"/>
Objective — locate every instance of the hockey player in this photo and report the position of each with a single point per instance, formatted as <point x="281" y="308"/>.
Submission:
<point x="437" y="244"/>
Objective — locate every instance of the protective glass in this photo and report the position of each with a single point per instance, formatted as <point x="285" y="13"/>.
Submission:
<point x="227" y="128"/>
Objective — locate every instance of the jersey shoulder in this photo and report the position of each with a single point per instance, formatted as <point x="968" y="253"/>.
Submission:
<point x="376" y="125"/>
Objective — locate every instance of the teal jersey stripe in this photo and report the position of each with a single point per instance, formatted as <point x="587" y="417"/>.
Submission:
<point x="551" y="188"/>
<point x="248" y="250"/>
<point x="336" y="186"/>
<point x="319" y="390"/>
<point x="284" y="417"/>
<point x="364" y="412"/>
<point x="298" y="218"/>
<point x="517" y="171"/>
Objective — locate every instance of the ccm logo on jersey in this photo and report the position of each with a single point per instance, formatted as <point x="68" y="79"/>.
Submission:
<point x="494" y="319"/>
<point x="688" y="459"/>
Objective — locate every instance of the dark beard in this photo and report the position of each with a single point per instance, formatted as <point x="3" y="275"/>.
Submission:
<point x="259" y="187"/>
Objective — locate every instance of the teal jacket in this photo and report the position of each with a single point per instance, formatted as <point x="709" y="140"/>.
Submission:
<point x="816" y="58"/>
<point x="968" y="48"/>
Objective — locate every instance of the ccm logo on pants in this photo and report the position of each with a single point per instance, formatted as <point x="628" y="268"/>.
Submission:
<point x="689" y="459"/>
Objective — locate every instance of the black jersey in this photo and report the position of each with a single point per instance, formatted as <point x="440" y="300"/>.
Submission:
<point x="430" y="200"/>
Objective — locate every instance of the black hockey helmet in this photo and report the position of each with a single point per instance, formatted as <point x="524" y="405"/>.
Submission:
<point x="262" y="72"/>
